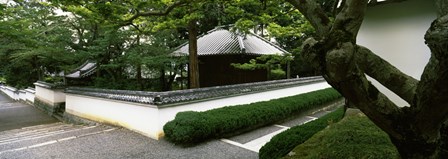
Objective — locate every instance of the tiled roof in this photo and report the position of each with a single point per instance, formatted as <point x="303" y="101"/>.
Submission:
<point x="86" y="69"/>
<point x="222" y="41"/>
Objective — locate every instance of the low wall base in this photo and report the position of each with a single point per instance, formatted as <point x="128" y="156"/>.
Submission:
<point x="70" y="118"/>
<point x="48" y="108"/>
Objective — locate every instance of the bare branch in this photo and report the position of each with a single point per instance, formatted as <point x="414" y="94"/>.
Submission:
<point x="313" y="13"/>
<point x="385" y="73"/>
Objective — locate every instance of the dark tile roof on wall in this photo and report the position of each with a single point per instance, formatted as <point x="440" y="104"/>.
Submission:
<point x="222" y="41"/>
<point x="86" y="69"/>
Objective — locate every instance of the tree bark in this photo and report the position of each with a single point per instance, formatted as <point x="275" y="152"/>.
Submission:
<point x="418" y="131"/>
<point x="193" y="54"/>
<point x="139" y="77"/>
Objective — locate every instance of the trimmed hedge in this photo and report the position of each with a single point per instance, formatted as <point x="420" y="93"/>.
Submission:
<point x="193" y="127"/>
<point x="355" y="136"/>
<point x="281" y="144"/>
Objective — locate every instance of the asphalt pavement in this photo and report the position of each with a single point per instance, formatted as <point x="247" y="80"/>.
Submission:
<point x="122" y="143"/>
<point x="14" y="115"/>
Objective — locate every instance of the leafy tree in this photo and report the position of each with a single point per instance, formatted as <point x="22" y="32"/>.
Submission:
<point x="124" y="45"/>
<point x="276" y="20"/>
<point x="152" y="15"/>
<point x="418" y="130"/>
<point x="33" y="42"/>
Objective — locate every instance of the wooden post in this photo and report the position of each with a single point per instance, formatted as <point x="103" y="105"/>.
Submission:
<point x="193" y="52"/>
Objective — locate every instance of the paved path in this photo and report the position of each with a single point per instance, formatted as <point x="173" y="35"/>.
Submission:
<point x="52" y="139"/>
<point x="26" y="132"/>
<point x="78" y="142"/>
<point x="15" y="115"/>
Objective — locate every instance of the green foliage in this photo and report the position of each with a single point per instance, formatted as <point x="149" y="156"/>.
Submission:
<point x="277" y="74"/>
<point x="36" y="42"/>
<point x="130" y="55"/>
<point x="33" y="42"/>
<point x="353" y="137"/>
<point x="193" y="127"/>
<point x="283" y="143"/>
<point x="272" y="63"/>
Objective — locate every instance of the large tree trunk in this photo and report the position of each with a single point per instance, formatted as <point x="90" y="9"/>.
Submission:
<point x="193" y="55"/>
<point x="418" y="131"/>
<point x="139" y="77"/>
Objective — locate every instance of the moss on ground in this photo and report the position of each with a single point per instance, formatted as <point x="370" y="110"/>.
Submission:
<point x="355" y="137"/>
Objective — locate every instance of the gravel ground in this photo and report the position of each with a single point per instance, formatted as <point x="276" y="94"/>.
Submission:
<point x="123" y="143"/>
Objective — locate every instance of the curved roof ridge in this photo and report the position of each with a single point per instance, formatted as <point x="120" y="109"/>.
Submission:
<point x="221" y="40"/>
<point x="86" y="69"/>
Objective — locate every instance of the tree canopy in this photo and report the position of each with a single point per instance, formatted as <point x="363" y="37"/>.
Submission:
<point x="130" y="38"/>
<point x="130" y="41"/>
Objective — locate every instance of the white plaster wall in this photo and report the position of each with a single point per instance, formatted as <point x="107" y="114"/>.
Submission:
<point x="395" y="32"/>
<point x="22" y="95"/>
<point x="44" y="94"/>
<point x="149" y="120"/>
<point x="51" y="96"/>
<point x="29" y="96"/>
<point x="59" y="96"/>
<point x="137" y="117"/>
<point x="168" y="113"/>
<point x="11" y="92"/>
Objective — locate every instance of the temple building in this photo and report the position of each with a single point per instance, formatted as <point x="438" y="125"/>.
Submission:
<point x="220" y="47"/>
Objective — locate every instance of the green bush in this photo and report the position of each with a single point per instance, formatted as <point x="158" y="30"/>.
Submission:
<point x="355" y="136"/>
<point x="283" y="143"/>
<point x="193" y="127"/>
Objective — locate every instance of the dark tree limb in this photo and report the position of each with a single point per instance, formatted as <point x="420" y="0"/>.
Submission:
<point x="432" y="92"/>
<point x="389" y="76"/>
<point x="336" y="56"/>
<point x="314" y="14"/>
<point x="345" y="75"/>
<point x="417" y="131"/>
<point x="350" y="18"/>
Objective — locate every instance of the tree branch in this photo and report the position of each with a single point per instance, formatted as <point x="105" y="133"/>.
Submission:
<point x="154" y="13"/>
<point x="314" y="14"/>
<point x="337" y="56"/>
<point x="350" y="18"/>
<point x="432" y="101"/>
<point x="398" y="82"/>
<point x="345" y="76"/>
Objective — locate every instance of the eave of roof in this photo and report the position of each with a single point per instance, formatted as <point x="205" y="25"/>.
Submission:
<point x="86" y="69"/>
<point x="221" y="41"/>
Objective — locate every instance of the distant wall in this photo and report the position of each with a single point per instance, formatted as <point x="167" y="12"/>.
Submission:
<point x="30" y="95"/>
<point x="11" y="92"/>
<point x="395" y="32"/>
<point x="25" y="95"/>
